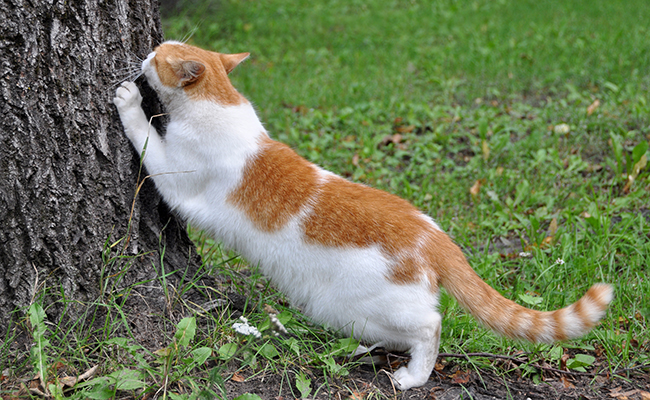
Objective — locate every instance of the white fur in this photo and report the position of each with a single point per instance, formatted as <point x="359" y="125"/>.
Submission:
<point x="201" y="160"/>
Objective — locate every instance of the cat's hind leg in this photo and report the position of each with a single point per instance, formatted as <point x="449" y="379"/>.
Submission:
<point x="424" y="352"/>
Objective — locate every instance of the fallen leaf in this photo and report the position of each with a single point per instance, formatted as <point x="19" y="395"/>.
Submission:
<point x="562" y="129"/>
<point x="73" y="380"/>
<point x="644" y="395"/>
<point x="593" y="107"/>
<point x="405" y="129"/>
<point x="460" y="377"/>
<point x="236" y="377"/>
<point x="357" y="395"/>
<point x="164" y="352"/>
<point x="388" y="139"/>
<point x="566" y="383"/>
<point x="474" y="190"/>
<point x="623" y="395"/>
<point x="565" y="357"/>
<point x="69" y="381"/>
<point x="89" y="373"/>
<point x="485" y="147"/>
<point x="552" y="227"/>
<point x="643" y="161"/>
<point x="355" y="160"/>
<point x="594" y="167"/>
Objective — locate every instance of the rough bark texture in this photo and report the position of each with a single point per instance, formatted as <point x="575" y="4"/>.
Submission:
<point x="68" y="175"/>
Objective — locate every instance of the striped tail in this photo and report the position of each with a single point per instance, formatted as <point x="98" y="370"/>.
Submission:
<point x="514" y="321"/>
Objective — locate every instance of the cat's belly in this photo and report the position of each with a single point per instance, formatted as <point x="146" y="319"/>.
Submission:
<point x="344" y="287"/>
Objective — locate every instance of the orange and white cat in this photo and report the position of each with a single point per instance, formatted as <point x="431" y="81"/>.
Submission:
<point x="351" y="256"/>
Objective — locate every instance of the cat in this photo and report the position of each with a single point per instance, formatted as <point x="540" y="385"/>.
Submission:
<point x="350" y="256"/>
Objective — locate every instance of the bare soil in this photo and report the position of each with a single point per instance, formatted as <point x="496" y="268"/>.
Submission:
<point x="451" y="383"/>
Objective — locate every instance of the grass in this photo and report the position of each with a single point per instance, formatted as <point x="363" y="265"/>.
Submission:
<point x="521" y="127"/>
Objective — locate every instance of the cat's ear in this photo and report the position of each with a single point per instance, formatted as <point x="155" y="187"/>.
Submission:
<point x="230" y="61"/>
<point x="188" y="71"/>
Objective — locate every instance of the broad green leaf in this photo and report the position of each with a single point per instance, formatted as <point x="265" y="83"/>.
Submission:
<point x="127" y="379"/>
<point x="164" y="352"/>
<point x="175" y="396"/>
<point x="227" y="351"/>
<point x="269" y="351"/>
<point x="530" y="300"/>
<point x="39" y="356"/>
<point x="122" y="342"/>
<point x="639" y="151"/>
<point x="56" y="391"/>
<point x="586" y="359"/>
<point x="100" y="392"/>
<point x="580" y="361"/>
<point x="37" y="318"/>
<point x="522" y="191"/>
<point x="556" y="353"/>
<point x="348" y="345"/>
<point x="303" y="384"/>
<point x="201" y="354"/>
<point x="293" y="345"/>
<point x="285" y="317"/>
<point x="248" y="396"/>
<point x="185" y="331"/>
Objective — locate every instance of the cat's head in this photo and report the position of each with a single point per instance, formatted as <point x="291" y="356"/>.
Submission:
<point x="178" y="71"/>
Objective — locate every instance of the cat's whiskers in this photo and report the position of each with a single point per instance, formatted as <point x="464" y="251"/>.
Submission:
<point x="126" y="75"/>
<point x="189" y="35"/>
<point x="130" y="72"/>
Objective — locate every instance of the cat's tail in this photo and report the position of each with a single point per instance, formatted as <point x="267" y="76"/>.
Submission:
<point x="514" y="321"/>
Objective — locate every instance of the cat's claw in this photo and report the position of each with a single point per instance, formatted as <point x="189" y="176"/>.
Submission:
<point x="127" y="96"/>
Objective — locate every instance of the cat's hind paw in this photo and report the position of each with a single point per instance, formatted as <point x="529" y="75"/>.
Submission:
<point x="127" y="96"/>
<point x="405" y="379"/>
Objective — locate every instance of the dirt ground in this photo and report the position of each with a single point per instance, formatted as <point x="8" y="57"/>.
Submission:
<point x="450" y="384"/>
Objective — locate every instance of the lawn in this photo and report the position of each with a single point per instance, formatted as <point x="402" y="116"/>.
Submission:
<point x="521" y="127"/>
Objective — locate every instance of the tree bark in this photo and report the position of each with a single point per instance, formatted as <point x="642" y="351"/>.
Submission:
<point x="68" y="175"/>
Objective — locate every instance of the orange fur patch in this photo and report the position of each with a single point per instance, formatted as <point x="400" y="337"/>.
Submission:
<point x="276" y="184"/>
<point x="348" y="214"/>
<point x="560" y="332"/>
<point x="212" y="84"/>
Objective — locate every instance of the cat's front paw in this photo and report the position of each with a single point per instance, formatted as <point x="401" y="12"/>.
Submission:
<point x="127" y="97"/>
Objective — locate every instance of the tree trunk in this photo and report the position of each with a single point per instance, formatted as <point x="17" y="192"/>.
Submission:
<point x="68" y="175"/>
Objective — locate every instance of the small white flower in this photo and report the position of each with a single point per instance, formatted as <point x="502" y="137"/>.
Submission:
<point x="245" y="329"/>
<point x="276" y="325"/>
<point x="561" y="129"/>
<point x="525" y="254"/>
<point x="559" y="261"/>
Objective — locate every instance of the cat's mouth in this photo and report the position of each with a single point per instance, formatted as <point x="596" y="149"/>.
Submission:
<point x="149" y="67"/>
<point x="146" y="64"/>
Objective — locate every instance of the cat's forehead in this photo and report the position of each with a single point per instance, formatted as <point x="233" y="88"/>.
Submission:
<point x="179" y="49"/>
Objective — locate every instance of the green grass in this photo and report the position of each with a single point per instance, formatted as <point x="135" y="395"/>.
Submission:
<point x="478" y="93"/>
<point x="336" y="54"/>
